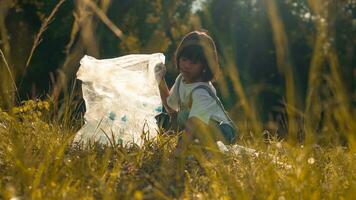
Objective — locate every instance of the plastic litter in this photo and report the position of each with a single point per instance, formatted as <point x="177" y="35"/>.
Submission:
<point x="121" y="98"/>
<point x="240" y="150"/>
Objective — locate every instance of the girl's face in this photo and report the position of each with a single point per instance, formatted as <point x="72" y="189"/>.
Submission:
<point x="192" y="71"/>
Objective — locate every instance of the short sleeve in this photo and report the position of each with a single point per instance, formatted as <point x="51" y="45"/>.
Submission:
<point x="202" y="106"/>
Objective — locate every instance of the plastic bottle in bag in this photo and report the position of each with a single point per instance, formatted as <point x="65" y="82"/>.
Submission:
<point x="121" y="98"/>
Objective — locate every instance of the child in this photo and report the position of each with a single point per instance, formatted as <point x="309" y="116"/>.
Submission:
<point x="193" y="97"/>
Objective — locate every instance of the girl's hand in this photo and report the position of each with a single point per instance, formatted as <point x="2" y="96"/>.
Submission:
<point x="160" y="71"/>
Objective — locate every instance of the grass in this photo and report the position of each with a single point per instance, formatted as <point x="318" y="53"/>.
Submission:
<point x="39" y="161"/>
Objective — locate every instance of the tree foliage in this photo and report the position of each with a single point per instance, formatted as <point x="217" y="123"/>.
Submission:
<point x="275" y="54"/>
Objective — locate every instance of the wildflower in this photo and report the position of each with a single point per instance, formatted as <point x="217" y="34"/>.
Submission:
<point x="138" y="195"/>
<point x="199" y="196"/>
<point x="281" y="198"/>
<point x="15" y="110"/>
<point x="46" y="105"/>
<point x="279" y="145"/>
<point x="311" y="160"/>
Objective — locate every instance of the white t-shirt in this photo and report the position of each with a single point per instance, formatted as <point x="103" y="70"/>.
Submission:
<point x="203" y="106"/>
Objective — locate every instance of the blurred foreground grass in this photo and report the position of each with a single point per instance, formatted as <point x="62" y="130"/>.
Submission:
<point x="38" y="161"/>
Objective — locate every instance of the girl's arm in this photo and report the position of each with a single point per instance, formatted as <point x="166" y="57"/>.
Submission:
<point x="160" y="71"/>
<point x="164" y="93"/>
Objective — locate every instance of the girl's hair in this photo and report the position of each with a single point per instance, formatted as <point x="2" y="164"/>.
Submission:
<point x="199" y="46"/>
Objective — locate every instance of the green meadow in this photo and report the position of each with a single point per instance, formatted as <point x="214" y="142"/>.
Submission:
<point x="288" y="82"/>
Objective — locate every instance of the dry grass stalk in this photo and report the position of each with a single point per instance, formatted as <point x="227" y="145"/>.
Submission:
<point x="42" y="29"/>
<point x="10" y="73"/>
<point x="4" y="7"/>
<point x="283" y="61"/>
<point x="74" y="32"/>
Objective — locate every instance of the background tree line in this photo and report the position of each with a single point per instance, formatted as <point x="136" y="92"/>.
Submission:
<point x="279" y="58"/>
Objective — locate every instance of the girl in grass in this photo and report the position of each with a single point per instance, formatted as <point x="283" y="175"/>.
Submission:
<point x="193" y="98"/>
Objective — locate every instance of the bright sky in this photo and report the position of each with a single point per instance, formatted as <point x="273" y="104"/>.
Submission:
<point x="197" y="4"/>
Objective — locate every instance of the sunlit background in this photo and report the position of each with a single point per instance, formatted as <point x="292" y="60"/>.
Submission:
<point x="274" y="54"/>
<point x="288" y="68"/>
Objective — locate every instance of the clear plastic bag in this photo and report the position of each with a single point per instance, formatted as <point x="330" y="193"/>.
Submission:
<point x="121" y="98"/>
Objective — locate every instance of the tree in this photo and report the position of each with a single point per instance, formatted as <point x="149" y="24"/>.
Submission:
<point x="84" y="27"/>
<point x="248" y="40"/>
